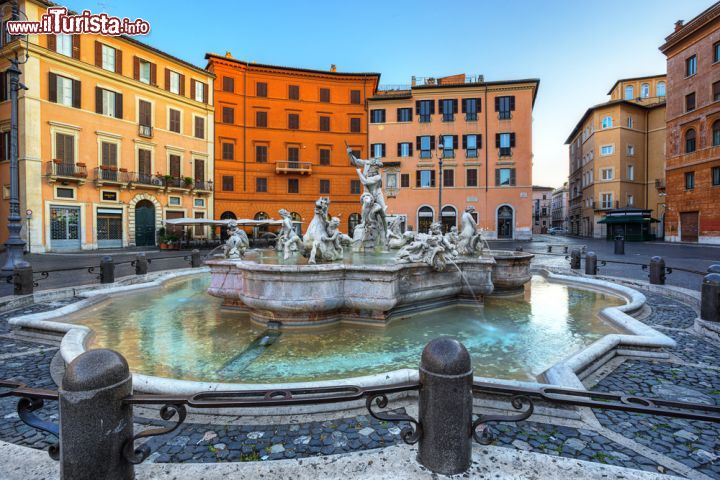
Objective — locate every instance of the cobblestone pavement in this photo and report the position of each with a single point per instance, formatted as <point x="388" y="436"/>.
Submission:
<point x="657" y="444"/>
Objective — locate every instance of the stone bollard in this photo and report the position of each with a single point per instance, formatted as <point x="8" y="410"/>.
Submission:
<point x="590" y="263"/>
<point x="657" y="271"/>
<point x="195" y="260"/>
<point x="107" y="270"/>
<point x="710" y="298"/>
<point x="445" y="407"/>
<point x="94" y="422"/>
<point x="575" y="259"/>
<point x="549" y="249"/>
<point x="141" y="264"/>
<point x="619" y="245"/>
<point x="565" y="248"/>
<point x="713" y="269"/>
<point x="23" y="278"/>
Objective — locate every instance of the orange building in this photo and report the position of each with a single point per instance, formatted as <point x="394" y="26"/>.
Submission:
<point x="485" y="129"/>
<point x="280" y="136"/>
<point x="115" y="136"/>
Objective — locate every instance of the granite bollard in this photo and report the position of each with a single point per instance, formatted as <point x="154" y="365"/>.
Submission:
<point x="141" y="264"/>
<point x="23" y="278"/>
<point x="710" y="298"/>
<point x="107" y="270"/>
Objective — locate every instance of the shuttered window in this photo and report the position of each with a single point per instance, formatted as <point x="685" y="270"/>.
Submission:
<point x="199" y="127"/>
<point x="325" y="95"/>
<point x="174" y="120"/>
<point x="293" y="92"/>
<point x="228" y="151"/>
<point x="355" y="125"/>
<point x="261" y="153"/>
<point x="324" y="124"/>
<point x="293" y="121"/>
<point x="355" y="97"/>
<point x="65" y="148"/>
<point x="228" y="115"/>
<point x="228" y="84"/>
<point x="261" y="89"/>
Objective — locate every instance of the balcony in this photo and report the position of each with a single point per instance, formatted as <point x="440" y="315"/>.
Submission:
<point x="448" y="117"/>
<point x="293" y="167"/>
<point x="111" y="176"/>
<point x="471" y="153"/>
<point x="177" y="183"/>
<point x="145" y="131"/>
<point x="145" y="180"/>
<point x="471" y="117"/>
<point x="504" y="115"/>
<point x="59" y="171"/>
<point x="201" y="187"/>
<point x="448" y="153"/>
<point x="505" y="152"/>
<point x="424" y="118"/>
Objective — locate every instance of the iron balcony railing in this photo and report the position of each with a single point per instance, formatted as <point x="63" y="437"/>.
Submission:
<point x="425" y="154"/>
<point x="285" y="166"/>
<point x="448" y="117"/>
<point x="111" y="175"/>
<point x="177" y="182"/>
<point x="505" y="115"/>
<point x="57" y="168"/>
<point x="204" y="186"/>
<point x="145" y="179"/>
<point x="471" y="117"/>
<point x="471" y="153"/>
<point x="145" y="131"/>
<point x="448" y="153"/>
<point x="424" y="118"/>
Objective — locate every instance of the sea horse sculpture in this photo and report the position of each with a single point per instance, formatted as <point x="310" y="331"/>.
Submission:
<point x="431" y="248"/>
<point x="323" y="240"/>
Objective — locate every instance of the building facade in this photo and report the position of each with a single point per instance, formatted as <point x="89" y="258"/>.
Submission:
<point x="559" y="207"/>
<point x="541" y="213"/>
<point x="617" y="157"/>
<point x="281" y="135"/>
<point x="114" y="137"/>
<point x="693" y="129"/>
<point x="481" y="130"/>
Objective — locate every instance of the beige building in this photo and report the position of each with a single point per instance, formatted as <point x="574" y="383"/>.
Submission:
<point x="617" y="161"/>
<point x="541" y="199"/>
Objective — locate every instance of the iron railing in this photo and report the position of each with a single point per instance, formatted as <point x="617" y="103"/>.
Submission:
<point x="290" y="166"/>
<point x="145" y="179"/>
<point x="57" y="168"/>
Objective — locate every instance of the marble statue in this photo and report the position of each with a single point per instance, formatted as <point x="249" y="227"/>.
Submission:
<point x="395" y="237"/>
<point x="470" y="239"/>
<point x="323" y="240"/>
<point x="452" y="236"/>
<point x="431" y="248"/>
<point x="288" y="241"/>
<point x="237" y="242"/>
<point x="371" y="233"/>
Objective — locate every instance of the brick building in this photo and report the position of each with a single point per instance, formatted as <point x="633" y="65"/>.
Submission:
<point x="693" y="129"/>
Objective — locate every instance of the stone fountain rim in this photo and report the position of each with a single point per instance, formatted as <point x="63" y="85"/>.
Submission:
<point x="564" y="373"/>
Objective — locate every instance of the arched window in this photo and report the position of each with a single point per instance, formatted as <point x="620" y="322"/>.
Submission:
<point x="425" y="219"/>
<point x="228" y="216"/>
<point x="716" y="133"/>
<point x="505" y="222"/>
<point x="629" y="92"/>
<point x="661" y="89"/>
<point x="353" y="221"/>
<point x="690" y="141"/>
<point x="607" y="122"/>
<point x="262" y="216"/>
<point x="449" y="218"/>
<point x="644" y="90"/>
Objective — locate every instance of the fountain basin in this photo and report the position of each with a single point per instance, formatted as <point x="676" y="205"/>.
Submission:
<point x="511" y="272"/>
<point x="314" y="295"/>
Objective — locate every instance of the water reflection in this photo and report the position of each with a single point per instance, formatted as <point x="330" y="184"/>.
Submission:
<point x="179" y="331"/>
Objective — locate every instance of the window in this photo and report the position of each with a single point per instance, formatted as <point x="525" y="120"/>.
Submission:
<point x="175" y="166"/>
<point x="631" y="172"/>
<point x="228" y="115"/>
<point x="63" y="44"/>
<point x="324" y="123"/>
<point x="144" y="163"/>
<point x="261" y="118"/>
<point x="689" y="180"/>
<point x="355" y="187"/>
<point x="425" y="178"/>
<point x="404" y="149"/>
<point x="448" y="145"/>
<point x="448" y="178"/>
<point x="199" y="202"/>
<point x="324" y="156"/>
<point x="716" y="133"/>
<point x="199" y="127"/>
<point x="690" y="102"/>
<point x="293" y="92"/>
<point x="471" y="144"/>
<point x="64" y="91"/>
<point x="426" y="144"/>
<point x="293" y="185"/>
<point x="65" y="148"/>
<point x="404" y="114"/>
<point x="715" y="176"/>
<point x="261" y="89"/>
<point x="716" y="52"/>
<point x="690" y="141"/>
<point x="64" y="192"/>
<point x="378" y="150"/>
<point x="607" y="150"/>
<point x="504" y="177"/>
<point x="631" y="150"/>
<point x="261" y="153"/>
<point x="108" y="58"/>
<point x="424" y="110"/>
<point x="607" y="122"/>
<point x="377" y="116"/>
<point x="108" y="103"/>
<point x="109" y="153"/>
<point x="261" y="185"/>
<point x="716" y="91"/>
<point x="174" y="121"/>
<point x="471" y="177"/>
<point x="405" y="180"/>
<point x="293" y="154"/>
<point x="448" y="109"/>
<point x="228" y="151"/>
<point x="145" y="113"/>
<point x="606" y="173"/>
<point x="691" y="66"/>
<point x="630" y="200"/>
<point x="325" y="95"/>
<point x="471" y="107"/>
<point x="629" y="92"/>
<point x="293" y="121"/>
<point x="606" y="200"/>
<point x="174" y="82"/>
<point x="504" y="106"/>
<point x="199" y="92"/>
<point x="228" y="84"/>
<point x="660" y="89"/>
<point x="644" y="90"/>
<point x="325" y="186"/>
<point x="629" y="122"/>
<point x="355" y="125"/>
<point x="355" y="97"/>
<point x="144" y="71"/>
<point x="505" y="142"/>
<point x="228" y="183"/>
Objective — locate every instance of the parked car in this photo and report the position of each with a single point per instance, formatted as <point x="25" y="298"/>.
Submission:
<point x="557" y="231"/>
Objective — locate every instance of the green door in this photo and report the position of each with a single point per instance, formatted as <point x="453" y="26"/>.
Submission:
<point x="144" y="224"/>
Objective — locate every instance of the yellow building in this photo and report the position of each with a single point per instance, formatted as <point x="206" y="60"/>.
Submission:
<point x="617" y="161"/>
<point x="115" y="136"/>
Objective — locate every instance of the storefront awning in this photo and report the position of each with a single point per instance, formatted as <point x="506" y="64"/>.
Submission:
<point x="610" y="219"/>
<point x="241" y="222"/>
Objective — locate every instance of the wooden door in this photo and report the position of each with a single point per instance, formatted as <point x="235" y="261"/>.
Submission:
<point x="689" y="226"/>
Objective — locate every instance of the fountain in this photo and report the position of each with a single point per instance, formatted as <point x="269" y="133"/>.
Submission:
<point x="329" y="277"/>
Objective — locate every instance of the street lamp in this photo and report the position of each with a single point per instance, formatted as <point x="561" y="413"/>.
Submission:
<point x="441" y="155"/>
<point x="15" y="245"/>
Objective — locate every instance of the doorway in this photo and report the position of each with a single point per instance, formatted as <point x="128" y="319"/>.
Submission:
<point x="144" y="224"/>
<point x="505" y="222"/>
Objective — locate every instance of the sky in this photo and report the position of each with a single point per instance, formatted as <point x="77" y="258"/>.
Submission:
<point x="576" y="49"/>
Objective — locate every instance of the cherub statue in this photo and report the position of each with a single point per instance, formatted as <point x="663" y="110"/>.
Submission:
<point x="288" y="240"/>
<point x="237" y="242"/>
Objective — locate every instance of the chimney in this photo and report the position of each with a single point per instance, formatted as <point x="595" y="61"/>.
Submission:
<point x="679" y="24"/>
<point x="228" y="54"/>
<point x="333" y="68"/>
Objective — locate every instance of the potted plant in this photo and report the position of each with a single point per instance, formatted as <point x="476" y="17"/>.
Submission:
<point x="162" y="238"/>
<point x="187" y="181"/>
<point x="57" y="161"/>
<point x="123" y="170"/>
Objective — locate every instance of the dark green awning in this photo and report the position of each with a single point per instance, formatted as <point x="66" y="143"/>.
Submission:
<point x="627" y="219"/>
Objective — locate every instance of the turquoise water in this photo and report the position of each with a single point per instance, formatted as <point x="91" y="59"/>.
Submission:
<point x="180" y="331"/>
